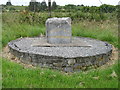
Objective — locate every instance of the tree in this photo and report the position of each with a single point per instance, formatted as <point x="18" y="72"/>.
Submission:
<point x="43" y="6"/>
<point x="9" y="3"/>
<point x="54" y="5"/>
<point x="34" y="6"/>
<point x="38" y="6"/>
<point x="107" y="8"/>
<point x="70" y="6"/>
<point x="82" y="5"/>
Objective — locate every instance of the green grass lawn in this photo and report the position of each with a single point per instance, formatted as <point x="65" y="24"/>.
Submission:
<point x="17" y="76"/>
<point x="0" y="72"/>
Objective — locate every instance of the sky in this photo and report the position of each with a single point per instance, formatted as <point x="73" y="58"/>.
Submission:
<point x="65" y="2"/>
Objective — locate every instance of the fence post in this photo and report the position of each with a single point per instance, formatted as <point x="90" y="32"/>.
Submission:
<point x="49" y="7"/>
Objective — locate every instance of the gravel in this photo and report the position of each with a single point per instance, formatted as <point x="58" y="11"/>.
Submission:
<point x="95" y="47"/>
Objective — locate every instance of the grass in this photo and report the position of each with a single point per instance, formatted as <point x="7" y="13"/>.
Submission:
<point x="24" y="30"/>
<point x="17" y="7"/>
<point x="105" y="31"/>
<point x="17" y="76"/>
<point x="0" y="72"/>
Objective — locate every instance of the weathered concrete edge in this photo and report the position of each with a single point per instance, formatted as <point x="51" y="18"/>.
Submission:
<point x="60" y="63"/>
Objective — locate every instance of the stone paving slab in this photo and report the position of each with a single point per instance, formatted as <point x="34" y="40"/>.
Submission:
<point x="74" y="43"/>
<point x="67" y="58"/>
<point x="97" y="47"/>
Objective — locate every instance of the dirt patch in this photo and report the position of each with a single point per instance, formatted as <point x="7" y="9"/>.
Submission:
<point x="6" y="54"/>
<point x="114" y="59"/>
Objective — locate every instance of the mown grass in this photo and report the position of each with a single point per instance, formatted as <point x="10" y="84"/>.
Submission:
<point x="16" y="76"/>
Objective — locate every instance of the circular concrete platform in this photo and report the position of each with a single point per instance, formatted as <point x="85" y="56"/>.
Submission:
<point x="82" y="52"/>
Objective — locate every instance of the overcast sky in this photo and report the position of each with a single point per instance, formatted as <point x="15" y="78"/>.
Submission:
<point x="64" y="2"/>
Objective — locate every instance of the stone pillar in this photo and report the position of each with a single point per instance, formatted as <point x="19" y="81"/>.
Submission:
<point x="58" y="30"/>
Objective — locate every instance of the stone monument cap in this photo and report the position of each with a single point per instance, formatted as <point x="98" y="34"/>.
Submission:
<point x="59" y="20"/>
<point x="58" y="30"/>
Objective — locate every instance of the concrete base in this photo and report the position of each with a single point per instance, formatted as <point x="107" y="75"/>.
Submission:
<point x="69" y="58"/>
